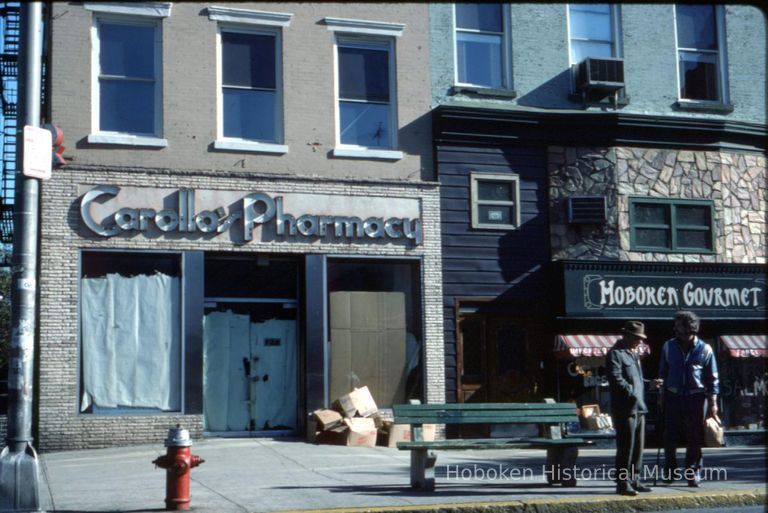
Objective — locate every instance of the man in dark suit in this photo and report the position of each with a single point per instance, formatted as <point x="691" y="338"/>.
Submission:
<point x="628" y="408"/>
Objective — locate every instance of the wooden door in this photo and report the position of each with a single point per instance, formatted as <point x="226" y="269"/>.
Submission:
<point x="497" y="360"/>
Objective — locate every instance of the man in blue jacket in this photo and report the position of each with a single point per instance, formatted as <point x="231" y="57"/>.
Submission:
<point x="688" y="373"/>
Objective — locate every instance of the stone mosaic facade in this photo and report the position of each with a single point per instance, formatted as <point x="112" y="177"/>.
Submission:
<point x="736" y="183"/>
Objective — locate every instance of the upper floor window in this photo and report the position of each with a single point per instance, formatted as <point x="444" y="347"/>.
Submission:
<point x="250" y="92"/>
<point x="661" y="224"/>
<point x="495" y="201"/>
<point x="699" y="47"/>
<point x="127" y="80"/>
<point x="594" y="31"/>
<point x="365" y="93"/>
<point x="481" y="50"/>
<point x="129" y="84"/>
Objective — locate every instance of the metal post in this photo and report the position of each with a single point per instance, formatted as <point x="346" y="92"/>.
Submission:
<point x="19" y="468"/>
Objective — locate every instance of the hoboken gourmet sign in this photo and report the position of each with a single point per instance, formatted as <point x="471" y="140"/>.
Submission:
<point x="631" y="293"/>
<point x="109" y="210"/>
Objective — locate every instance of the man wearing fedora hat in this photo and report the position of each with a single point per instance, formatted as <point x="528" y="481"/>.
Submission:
<point x="628" y="409"/>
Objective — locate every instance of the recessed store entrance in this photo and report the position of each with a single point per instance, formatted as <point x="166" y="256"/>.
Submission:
<point x="250" y="346"/>
<point x="498" y="359"/>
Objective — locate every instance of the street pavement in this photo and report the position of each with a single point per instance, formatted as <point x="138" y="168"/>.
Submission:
<point x="274" y="474"/>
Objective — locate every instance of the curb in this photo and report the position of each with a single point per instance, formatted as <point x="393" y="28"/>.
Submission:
<point x="596" y="503"/>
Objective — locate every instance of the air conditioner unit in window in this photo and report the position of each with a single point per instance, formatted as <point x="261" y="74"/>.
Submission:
<point x="603" y="75"/>
<point x="587" y="209"/>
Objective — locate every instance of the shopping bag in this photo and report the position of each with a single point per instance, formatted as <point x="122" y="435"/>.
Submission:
<point x="714" y="435"/>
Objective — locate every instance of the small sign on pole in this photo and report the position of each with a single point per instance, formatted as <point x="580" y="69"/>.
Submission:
<point x="37" y="153"/>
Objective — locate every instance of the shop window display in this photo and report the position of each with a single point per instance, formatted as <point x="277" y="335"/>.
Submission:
<point x="743" y="389"/>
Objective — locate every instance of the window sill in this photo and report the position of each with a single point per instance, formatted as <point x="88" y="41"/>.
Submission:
<point x="495" y="227"/>
<point x="127" y="140"/>
<point x="606" y="101"/>
<point x="251" y="146"/>
<point x="367" y="154"/>
<point x="487" y="92"/>
<point x="711" y="107"/>
<point x="673" y="251"/>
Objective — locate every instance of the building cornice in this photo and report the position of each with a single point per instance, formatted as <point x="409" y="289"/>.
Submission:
<point x="494" y="127"/>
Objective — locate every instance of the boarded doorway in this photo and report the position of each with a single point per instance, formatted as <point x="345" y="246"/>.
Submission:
<point x="250" y="347"/>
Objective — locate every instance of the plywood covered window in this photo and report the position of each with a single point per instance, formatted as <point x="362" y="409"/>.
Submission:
<point x="375" y="329"/>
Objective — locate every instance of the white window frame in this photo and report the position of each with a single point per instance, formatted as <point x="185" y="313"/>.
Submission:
<point x="233" y="19"/>
<point x="363" y="32"/>
<point x="238" y="143"/>
<point x="127" y="14"/>
<point x="506" y="50"/>
<point x="722" y="64"/>
<point x="616" y="43"/>
<point x="514" y="179"/>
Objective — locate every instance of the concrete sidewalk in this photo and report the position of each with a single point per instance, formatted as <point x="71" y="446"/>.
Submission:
<point x="269" y="475"/>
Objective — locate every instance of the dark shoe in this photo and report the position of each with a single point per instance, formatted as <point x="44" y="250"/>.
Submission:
<point x="642" y="488"/>
<point x="693" y="483"/>
<point x="626" y="489"/>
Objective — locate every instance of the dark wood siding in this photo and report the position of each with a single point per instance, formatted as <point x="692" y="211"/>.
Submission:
<point x="508" y="265"/>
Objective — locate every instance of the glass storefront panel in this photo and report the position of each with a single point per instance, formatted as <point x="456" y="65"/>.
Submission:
<point x="743" y="391"/>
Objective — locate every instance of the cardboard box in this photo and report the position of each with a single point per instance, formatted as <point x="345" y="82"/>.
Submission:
<point x="359" y="402"/>
<point x="334" y="436"/>
<point x="327" y="419"/>
<point x="590" y="410"/>
<point x="402" y="433"/>
<point x="361" y="433"/>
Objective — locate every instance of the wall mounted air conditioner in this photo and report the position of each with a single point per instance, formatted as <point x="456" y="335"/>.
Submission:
<point x="587" y="210"/>
<point x="604" y="75"/>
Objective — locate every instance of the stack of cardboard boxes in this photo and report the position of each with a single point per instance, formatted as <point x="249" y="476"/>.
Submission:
<point x="356" y="421"/>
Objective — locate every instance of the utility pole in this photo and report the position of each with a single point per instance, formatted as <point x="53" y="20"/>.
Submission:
<point x="19" y="467"/>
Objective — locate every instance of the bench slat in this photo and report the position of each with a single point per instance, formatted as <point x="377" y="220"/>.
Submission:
<point x="483" y="413"/>
<point x="403" y="408"/>
<point x="493" y="443"/>
<point x="425" y="418"/>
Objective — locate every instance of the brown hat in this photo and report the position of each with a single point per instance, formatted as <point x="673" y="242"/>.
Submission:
<point x="635" y="328"/>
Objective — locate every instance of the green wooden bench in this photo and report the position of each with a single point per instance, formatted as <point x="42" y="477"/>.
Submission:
<point x="549" y="416"/>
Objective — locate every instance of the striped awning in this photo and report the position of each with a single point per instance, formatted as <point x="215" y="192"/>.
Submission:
<point x="743" y="346"/>
<point x="574" y="346"/>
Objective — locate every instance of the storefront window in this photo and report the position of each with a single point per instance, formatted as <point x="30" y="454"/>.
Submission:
<point x="375" y="329"/>
<point x="130" y="333"/>
<point x="743" y="389"/>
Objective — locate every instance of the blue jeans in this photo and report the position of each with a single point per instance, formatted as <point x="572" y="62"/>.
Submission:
<point x="683" y="414"/>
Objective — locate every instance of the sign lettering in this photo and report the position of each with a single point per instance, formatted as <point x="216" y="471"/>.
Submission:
<point x="251" y="211"/>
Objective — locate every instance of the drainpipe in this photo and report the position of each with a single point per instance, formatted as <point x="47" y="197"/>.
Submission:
<point x="19" y="468"/>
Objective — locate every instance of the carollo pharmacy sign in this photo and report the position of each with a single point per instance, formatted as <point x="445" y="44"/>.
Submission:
<point x="108" y="210"/>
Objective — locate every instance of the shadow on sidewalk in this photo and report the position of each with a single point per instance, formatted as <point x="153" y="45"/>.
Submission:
<point x="106" y="510"/>
<point x="460" y="490"/>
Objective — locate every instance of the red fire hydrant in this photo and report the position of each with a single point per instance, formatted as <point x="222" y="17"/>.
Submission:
<point x="178" y="463"/>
